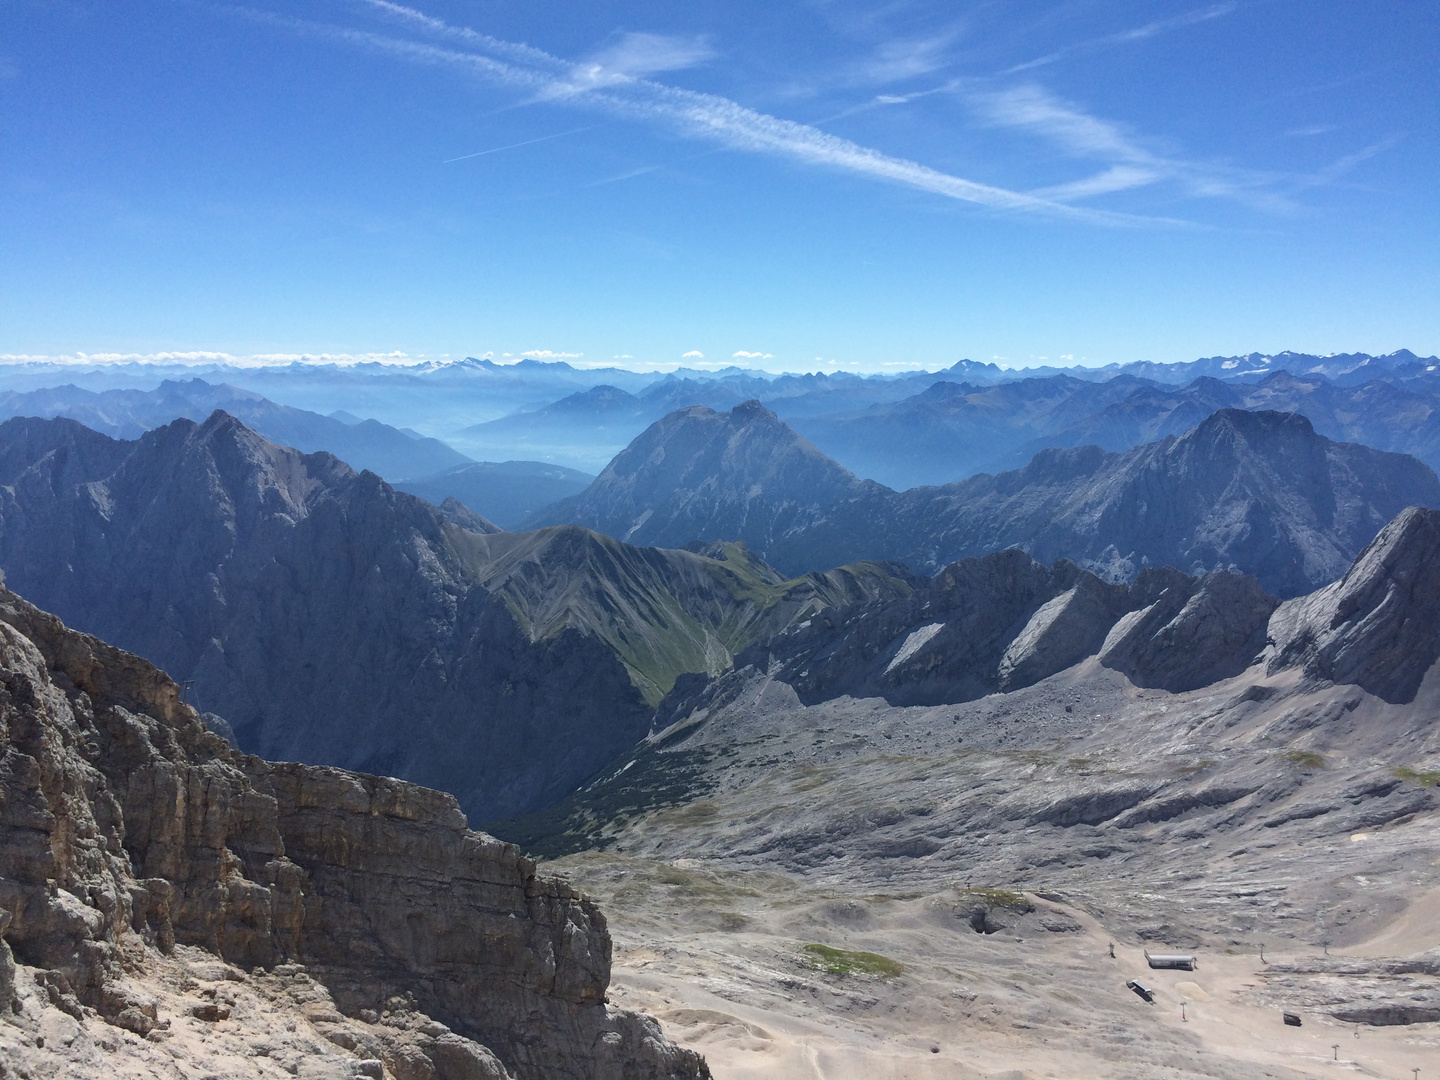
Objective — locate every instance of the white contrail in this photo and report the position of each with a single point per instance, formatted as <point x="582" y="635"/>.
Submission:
<point x="690" y="113"/>
<point x="516" y="146"/>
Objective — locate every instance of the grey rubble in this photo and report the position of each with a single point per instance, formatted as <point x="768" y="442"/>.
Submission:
<point x="127" y="830"/>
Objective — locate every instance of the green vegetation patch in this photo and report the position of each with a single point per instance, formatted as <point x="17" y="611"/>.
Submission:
<point x="640" y="783"/>
<point x="1429" y="778"/>
<point x="834" y="961"/>
<point x="1305" y="759"/>
<point x="998" y="898"/>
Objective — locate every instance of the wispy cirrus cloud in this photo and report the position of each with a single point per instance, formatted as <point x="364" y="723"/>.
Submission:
<point x="904" y="58"/>
<point x="1130" y="162"/>
<point x="1125" y="37"/>
<point x="516" y="146"/>
<point x="635" y="55"/>
<point x="591" y="85"/>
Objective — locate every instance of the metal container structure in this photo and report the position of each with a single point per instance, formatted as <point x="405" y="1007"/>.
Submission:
<point x="1182" y="961"/>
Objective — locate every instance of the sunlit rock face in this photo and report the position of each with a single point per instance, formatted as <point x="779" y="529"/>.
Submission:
<point x="128" y="831"/>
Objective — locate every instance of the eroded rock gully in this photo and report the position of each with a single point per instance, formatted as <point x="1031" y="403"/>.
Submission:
<point x="128" y="831"/>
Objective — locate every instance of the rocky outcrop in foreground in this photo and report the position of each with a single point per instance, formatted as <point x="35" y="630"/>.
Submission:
<point x="128" y="831"/>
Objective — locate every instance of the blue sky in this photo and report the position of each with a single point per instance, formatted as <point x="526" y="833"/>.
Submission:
<point x="818" y="185"/>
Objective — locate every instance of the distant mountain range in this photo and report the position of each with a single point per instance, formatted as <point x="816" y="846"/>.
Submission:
<point x="335" y="620"/>
<point x="127" y="414"/>
<point x="506" y="492"/>
<point x="917" y="429"/>
<point x="454" y="401"/>
<point x="953" y="430"/>
<point x="1257" y="491"/>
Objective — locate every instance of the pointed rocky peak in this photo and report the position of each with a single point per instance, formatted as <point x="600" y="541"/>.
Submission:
<point x="65" y="449"/>
<point x="457" y="513"/>
<point x="1256" y="428"/>
<point x="601" y="398"/>
<point x="1378" y="626"/>
<point x="752" y="412"/>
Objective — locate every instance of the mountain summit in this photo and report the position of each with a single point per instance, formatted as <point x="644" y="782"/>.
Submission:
<point x="1256" y="491"/>
<point x="335" y="620"/>
<point x="737" y="475"/>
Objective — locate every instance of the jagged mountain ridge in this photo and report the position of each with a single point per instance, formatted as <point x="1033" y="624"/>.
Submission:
<point x="332" y="619"/>
<point x="1400" y="416"/>
<point x="1261" y="492"/>
<point x="1003" y="621"/>
<point x="128" y="830"/>
<point x="987" y="629"/>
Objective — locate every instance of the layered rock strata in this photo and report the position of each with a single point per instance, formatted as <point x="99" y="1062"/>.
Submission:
<point x="127" y="828"/>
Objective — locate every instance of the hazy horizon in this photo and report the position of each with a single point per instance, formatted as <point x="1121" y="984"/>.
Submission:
<point x="200" y="359"/>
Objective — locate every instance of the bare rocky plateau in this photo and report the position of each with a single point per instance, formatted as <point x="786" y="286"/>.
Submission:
<point x="1278" y="822"/>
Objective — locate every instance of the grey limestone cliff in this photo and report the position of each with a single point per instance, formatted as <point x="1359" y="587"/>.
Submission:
<point x="1004" y="621"/>
<point x="1379" y="625"/>
<point x="127" y="828"/>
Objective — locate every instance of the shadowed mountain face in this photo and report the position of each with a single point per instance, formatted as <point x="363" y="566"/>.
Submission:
<point x="741" y="475"/>
<point x="1379" y="625"/>
<point x="1259" y="492"/>
<point x="1004" y="621"/>
<point x="503" y="491"/>
<point x="126" y="414"/>
<point x="332" y="619"/>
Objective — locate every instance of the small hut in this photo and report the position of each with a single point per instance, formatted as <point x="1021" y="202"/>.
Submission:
<point x="1182" y="961"/>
